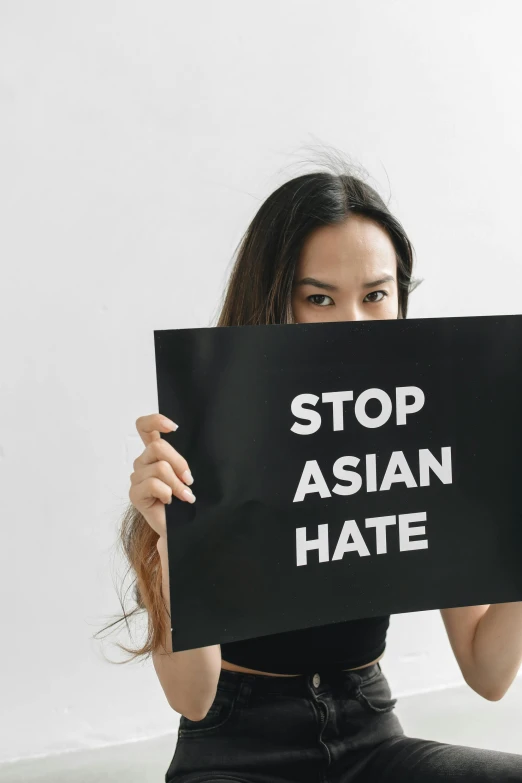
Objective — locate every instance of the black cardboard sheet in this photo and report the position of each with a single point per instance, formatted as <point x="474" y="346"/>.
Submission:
<point x="341" y="471"/>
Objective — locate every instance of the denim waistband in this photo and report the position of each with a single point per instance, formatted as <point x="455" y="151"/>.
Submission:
<point x="299" y="684"/>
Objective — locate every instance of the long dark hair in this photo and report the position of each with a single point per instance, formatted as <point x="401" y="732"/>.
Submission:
<point x="260" y="284"/>
<point x="259" y="292"/>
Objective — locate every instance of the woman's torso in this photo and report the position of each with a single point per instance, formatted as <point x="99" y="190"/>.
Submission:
<point x="232" y="667"/>
<point x="346" y="646"/>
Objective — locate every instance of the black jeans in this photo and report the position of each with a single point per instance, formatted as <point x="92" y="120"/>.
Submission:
<point x="331" y="727"/>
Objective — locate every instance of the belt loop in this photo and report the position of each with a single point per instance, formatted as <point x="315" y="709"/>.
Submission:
<point x="356" y="679"/>
<point x="245" y="690"/>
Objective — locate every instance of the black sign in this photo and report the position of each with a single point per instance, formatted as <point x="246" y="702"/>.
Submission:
<point x="341" y="470"/>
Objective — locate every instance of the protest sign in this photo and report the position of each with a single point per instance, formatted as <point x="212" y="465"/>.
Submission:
<point x="341" y="470"/>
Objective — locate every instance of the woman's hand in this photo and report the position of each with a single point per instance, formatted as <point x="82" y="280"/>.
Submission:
<point x="159" y="473"/>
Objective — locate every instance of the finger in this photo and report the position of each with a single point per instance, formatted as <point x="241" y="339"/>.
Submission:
<point x="152" y="508"/>
<point x="163" y="472"/>
<point x="149" y="427"/>
<point x="161" y="450"/>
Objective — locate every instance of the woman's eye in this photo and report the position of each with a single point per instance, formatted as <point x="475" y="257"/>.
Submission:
<point x="321" y="297"/>
<point x="373" y="293"/>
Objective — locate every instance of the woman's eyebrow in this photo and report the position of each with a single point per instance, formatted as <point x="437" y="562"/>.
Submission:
<point x="329" y="287"/>
<point x="387" y="279"/>
<point x="317" y="283"/>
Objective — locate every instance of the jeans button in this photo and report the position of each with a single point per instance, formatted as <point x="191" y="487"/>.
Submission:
<point x="316" y="680"/>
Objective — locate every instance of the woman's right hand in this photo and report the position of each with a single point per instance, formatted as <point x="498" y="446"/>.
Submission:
<point x="159" y="473"/>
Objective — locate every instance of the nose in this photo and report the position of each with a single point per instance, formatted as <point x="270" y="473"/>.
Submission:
<point x="350" y="313"/>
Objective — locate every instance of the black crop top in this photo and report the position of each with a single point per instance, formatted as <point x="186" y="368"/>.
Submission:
<point x="345" y="645"/>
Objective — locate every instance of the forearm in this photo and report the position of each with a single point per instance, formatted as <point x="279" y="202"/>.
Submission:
<point x="189" y="678"/>
<point x="497" y="649"/>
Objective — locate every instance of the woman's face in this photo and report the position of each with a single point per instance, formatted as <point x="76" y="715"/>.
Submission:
<point x="347" y="272"/>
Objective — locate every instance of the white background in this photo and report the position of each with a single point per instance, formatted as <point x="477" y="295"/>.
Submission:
<point x="137" y="140"/>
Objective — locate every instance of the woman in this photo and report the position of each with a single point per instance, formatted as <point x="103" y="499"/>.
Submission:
<point x="323" y="247"/>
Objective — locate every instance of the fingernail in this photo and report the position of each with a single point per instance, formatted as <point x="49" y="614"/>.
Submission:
<point x="190" y="497"/>
<point x="169" y="423"/>
<point x="187" y="477"/>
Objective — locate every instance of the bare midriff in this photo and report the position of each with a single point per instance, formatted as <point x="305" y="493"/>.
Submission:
<point x="232" y="667"/>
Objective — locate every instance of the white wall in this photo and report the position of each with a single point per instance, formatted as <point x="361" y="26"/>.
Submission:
<point x="137" y="141"/>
